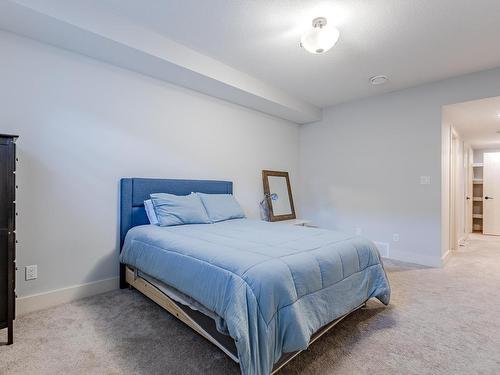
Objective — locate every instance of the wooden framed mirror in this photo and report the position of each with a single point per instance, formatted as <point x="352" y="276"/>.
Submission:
<point x="278" y="194"/>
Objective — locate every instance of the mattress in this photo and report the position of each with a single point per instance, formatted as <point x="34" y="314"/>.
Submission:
<point x="271" y="286"/>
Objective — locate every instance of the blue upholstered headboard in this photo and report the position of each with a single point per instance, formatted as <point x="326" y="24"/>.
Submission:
<point x="134" y="191"/>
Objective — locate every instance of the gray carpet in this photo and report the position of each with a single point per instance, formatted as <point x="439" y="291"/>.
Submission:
<point x="440" y="321"/>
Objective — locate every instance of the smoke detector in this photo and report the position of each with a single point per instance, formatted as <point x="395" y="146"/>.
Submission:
<point x="378" y="80"/>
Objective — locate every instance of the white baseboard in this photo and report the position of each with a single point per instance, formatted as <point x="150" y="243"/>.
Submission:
<point x="51" y="298"/>
<point x="446" y="257"/>
<point x="408" y="257"/>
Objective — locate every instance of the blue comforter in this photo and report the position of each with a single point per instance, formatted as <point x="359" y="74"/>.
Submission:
<point x="274" y="285"/>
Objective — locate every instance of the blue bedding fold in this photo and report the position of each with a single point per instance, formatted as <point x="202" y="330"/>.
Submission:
<point x="274" y="285"/>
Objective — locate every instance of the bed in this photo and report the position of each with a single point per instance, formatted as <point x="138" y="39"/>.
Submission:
<point x="261" y="292"/>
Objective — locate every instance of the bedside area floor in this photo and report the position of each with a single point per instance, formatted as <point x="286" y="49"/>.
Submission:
<point x="440" y="321"/>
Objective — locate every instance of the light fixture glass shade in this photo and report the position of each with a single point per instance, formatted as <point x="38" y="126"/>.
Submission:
<point x="320" y="38"/>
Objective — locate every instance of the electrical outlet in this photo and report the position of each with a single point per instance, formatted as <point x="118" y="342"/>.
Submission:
<point x="358" y="231"/>
<point x="31" y="272"/>
<point x="395" y="237"/>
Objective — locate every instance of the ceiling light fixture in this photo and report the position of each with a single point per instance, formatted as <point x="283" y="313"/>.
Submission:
<point x="320" y="38"/>
<point x="498" y="114"/>
<point x="378" y="80"/>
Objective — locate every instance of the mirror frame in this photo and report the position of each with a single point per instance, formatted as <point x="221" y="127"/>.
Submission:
<point x="267" y="194"/>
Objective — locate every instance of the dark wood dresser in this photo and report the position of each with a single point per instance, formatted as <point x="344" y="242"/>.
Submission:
<point x="7" y="233"/>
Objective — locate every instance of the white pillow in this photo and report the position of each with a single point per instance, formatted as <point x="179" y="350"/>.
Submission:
<point x="150" y="211"/>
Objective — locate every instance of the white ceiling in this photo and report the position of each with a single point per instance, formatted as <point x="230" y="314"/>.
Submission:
<point x="411" y="41"/>
<point x="476" y="121"/>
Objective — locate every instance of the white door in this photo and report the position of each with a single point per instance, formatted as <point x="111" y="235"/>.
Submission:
<point x="491" y="193"/>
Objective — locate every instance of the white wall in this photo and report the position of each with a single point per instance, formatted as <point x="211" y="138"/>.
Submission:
<point x="361" y="166"/>
<point x="84" y="124"/>
<point x="479" y="153"/>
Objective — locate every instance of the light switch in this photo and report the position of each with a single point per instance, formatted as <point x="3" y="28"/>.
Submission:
<point x="425" y="180"/>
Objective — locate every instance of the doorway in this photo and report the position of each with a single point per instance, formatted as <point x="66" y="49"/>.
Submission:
<point x="472" y="132"/>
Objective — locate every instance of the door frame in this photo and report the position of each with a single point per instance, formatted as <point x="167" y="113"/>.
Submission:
<point x="453" y="189"/>
<point x="460" y="162"/>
